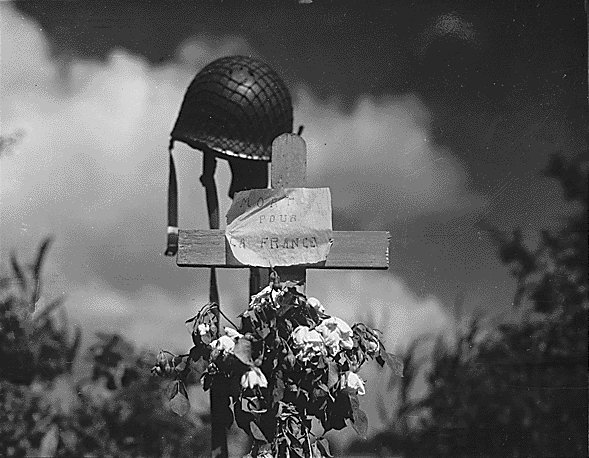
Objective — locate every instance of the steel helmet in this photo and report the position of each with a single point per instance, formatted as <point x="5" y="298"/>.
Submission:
<point x="235" y="106"/>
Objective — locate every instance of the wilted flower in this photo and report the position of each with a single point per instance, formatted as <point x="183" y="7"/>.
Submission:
<point x="302" y="336"/>
<point x="254" y="377"/>
<point x="225" y="343"/>
<point x="314" y="302"/>
<point x="203" y="328"/>
<point x="336" y="333"/>
<point x="308" y="341"/>
<point x="354" y="383"/>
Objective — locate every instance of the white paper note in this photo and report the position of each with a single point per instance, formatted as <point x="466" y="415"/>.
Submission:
<point x="280" y="227"/>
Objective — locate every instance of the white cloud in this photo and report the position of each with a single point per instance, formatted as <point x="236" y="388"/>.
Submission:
<point x="380" y="161"/>
<point x="148" y="318"/>
<point x="378" y="300"/>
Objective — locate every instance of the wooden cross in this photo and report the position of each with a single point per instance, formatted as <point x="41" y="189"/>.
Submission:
<point x="350" y="249"/>
<point x="209" y="248"/>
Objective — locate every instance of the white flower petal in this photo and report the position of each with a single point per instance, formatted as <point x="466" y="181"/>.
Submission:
<point x="355" y="383"/>
<point x="203" y="328"/>
<point x="299" y="334"/>
<point x="254" y="377"/>
<point x="230" y="332"/>
<point x="314" y="302"/>
<point x="225" y="343"/>
<point x="347" y="343"/>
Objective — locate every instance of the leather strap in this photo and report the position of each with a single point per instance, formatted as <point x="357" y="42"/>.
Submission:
<point x="172" y="247"/>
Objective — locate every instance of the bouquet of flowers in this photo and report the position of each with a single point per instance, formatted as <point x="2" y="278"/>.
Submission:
<point x="287" y="363"/>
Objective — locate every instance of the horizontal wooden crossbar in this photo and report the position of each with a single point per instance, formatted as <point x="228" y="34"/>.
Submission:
<point x="350" y="250"/>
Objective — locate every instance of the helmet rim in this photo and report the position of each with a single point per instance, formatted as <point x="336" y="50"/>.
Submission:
<point x="234" y="107"/>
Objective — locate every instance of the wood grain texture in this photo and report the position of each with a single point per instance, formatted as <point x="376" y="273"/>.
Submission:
<point x="350" y="250"/>
<point x="289" y="170"/>
<point x="289" y="162"/>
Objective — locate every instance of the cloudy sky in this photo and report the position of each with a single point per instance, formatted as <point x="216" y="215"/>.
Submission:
<point x="425" y="120"/>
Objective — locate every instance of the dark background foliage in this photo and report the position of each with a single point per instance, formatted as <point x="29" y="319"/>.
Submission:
<point x="518" y="388"/>
<point x="118" y="409"/>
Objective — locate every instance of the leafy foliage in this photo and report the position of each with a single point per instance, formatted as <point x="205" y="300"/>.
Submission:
<point x="119" y="410"/>
<point x="32" y="345"/>
<point x="519" y="388"/>
<point x="288" y="362"/>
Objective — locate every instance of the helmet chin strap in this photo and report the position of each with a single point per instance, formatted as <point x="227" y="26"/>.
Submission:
<point x="172" y="247"/>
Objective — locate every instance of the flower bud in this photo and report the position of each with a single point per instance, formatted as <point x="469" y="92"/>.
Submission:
<point x="372" y="346"/>
<point x="157" y="370"/>
<point x="164" y="361"/>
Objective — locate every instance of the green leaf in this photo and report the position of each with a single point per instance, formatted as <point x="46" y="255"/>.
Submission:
<point x="242" y="418"/>
<point x="179" y="403"/>
<point x="354" y="401"/>
<point x="323" y="446"/>
<point x="263" y="331"/>
<point x="37" y="268"/>
<point x="206" y="381"/>
<point x="75" y="345"/>
<point x="199" y="351"/>
<point x="172" y="390"/>
<point x="18" y="273"/>
<point x="50" y="441"/>
<point x="199" y="367"/>
<point x="243" y="351"/>
<point x="380" y="360"/>
<point x="360" y="422"/>
<point x="207" y="337"/>
<point x="338" y="412"/>
<point x="297" y="451"/>
<point x="323" y="387"/>
<point x="284" y="308"/>
<point x="315" y="451"/>
<point x="257" y="432"/>
<point x="333" y="374"/>
<point x="278" y="391"/>
<point x="394" y="362"/>
<point x="41" y="256"/>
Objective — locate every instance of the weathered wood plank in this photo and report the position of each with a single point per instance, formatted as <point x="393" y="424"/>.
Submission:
<point x="289" y="162"/>
<point x="289" y="170"/>
<point x="350" y="250"/>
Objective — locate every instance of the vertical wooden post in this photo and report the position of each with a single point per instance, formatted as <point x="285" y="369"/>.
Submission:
<point x="219" y="391"/>
<point x="289" y="170"/>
